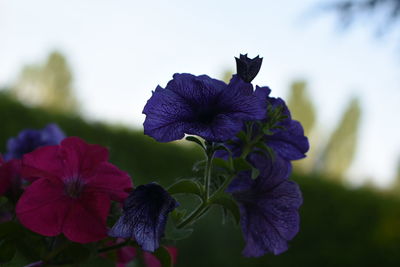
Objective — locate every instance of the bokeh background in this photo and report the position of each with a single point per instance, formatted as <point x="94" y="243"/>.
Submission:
<point x="91" y="65"/>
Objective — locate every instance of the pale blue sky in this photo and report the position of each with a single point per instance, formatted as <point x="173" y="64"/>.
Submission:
<point x="121" y="49"/>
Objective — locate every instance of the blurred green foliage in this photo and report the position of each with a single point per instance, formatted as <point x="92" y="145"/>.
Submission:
<point x="302" y="109"/>
<point x="339" y="226"/>
<point x="301" y="105"/>
<point x="145" y="159"/>
<point x="341" y="147"/>
<point x="48" y="85"/>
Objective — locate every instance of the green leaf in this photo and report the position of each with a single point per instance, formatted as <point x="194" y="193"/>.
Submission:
<point x="11" y="230"/>
<point x="98" y="262"/>
<point x="221" y="146"/>
<point x="265" y="149"/>
<point x="164" y="257"/>
<point x="17" y="261"/>
<point x="218" y="162"/>
<point x="199" y="165"/>
<point x="185" y="187"/>
<point x="267" y="131"/>
<point x="241" y="164"/>
<point x="195" y="140"/>
<point x="224" y="215"/>
<point x="31" y="246"/>
<point x="3" y="200"/>
<point x="254" y="173"/>
<point x="76" y="252"/>
<point x="178" y="234"/>
<point x="229" y="204"/>
<point x="7" y="250"/>
<point x="242" y="136"/>
<point x="173" y="233"/>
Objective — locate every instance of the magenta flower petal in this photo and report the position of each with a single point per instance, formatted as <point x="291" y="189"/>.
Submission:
<point x="72" y="190"/>
<point x="43" y="207"/>
<point x="5" y="181"/>
<point x="10" y="178"/>
<point x="125" y="255"/>
<point x="108" y="178"/>
<point x="92" y="210"/>
<point x="80" y="156"/>
<point x="152" y="261"/>
<point x="44" y="162"/>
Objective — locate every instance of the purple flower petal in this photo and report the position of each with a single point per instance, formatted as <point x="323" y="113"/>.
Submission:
<point x="200" y="105"/>
<point x="268" y="208"/>
<point x="145" y="216"/>
<point x="29" y="139"/>
<point x="287" y="139"/>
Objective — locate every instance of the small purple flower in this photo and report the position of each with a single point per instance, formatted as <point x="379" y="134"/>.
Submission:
<point x="286" y="138"/>
<point x="200" y="105"/>
<point x="268" y="208"/>
<point x="30" y="139"/>
<point x="145" y="216"/>
<point x="247" y="68"/>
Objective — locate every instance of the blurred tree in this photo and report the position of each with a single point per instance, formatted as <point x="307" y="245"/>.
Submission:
<point x="389" y="10"/>
<point x="301" y="106"/>
<point x="48" y="85"/>
<point x="303" y="110"/>
<point x="341" y="147"/>
<point x="396" y="183"/>
<point x="227" y="75"/>
<point x="398" y="173"/>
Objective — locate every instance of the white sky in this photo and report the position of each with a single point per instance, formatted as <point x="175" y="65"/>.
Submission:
<point x="121" y="49"/>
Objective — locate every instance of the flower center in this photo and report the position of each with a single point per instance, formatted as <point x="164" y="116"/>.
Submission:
<point x="74" y="187"/>
<point x="206" y="115"/>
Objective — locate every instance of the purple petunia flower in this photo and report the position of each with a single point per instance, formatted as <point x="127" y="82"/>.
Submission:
<point x="286" y="139"/>
<point x="145" y="216"/>
<point x="30" y="139"/>
<point x="200" y="105"/>
<point x="268" y="208"/>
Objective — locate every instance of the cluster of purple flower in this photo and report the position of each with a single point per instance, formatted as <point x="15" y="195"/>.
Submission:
<point x="247" y="124"/>
<point x="65" y="186"/>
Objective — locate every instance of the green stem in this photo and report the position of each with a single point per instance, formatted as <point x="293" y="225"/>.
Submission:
<point x="117" y="246"/>
<point x="207" y="175"/>
<point x="203" y="207"/>
<point x="193" y="216"/>
<point x="223" y="186"/>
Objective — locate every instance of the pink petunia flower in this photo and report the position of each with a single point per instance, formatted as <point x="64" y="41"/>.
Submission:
<point x="152" y="261"/>
<point x="127" y="254"/>
<point x="73" y="185"/>
<point x="10" y="177"/>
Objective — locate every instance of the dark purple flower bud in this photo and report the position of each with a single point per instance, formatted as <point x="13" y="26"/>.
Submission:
<point x="268" y="208"/>
<point x="248" y="68"/>
<point x="30" y="139"/>
<point x="200" y="105"/>
<point x="145" y="216"/>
